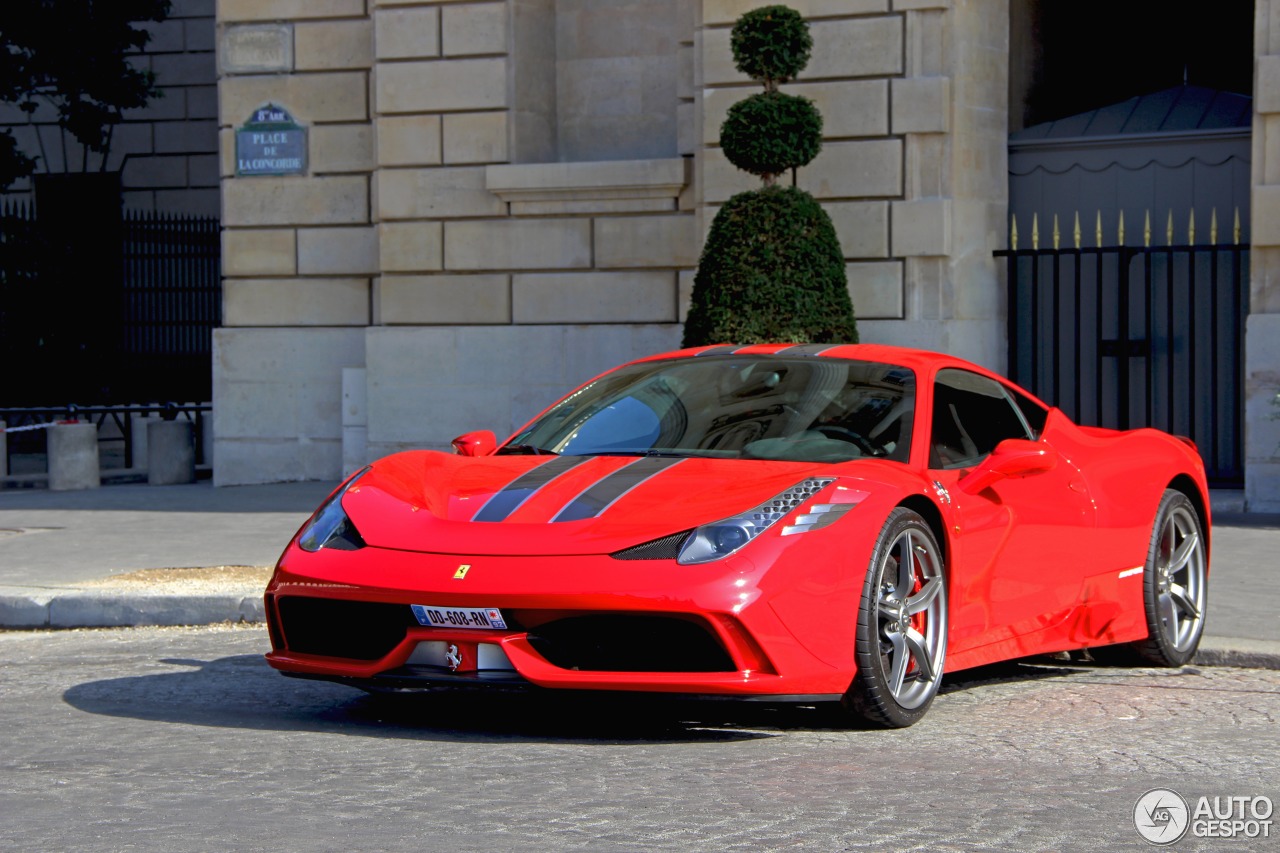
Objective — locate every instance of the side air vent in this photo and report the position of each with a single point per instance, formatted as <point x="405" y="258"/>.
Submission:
<point x="630" y="643"/>
<point x="666" y="548"/>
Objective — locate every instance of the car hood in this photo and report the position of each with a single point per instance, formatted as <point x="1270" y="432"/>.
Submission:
<point x="549" y="505"/>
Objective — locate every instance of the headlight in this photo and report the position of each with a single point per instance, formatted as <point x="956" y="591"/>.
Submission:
<point x="330" y="527"/>
<point x="721" y="538"/>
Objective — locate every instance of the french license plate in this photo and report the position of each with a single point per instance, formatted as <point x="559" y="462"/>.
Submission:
<point x="484" y="618"/>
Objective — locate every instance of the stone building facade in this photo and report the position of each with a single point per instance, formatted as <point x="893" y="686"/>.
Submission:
<point x="504" y="197"/>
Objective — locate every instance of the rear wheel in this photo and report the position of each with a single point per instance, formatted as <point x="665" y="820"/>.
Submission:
<point x="902" y="625"/>
<point x="1175" y="589"/>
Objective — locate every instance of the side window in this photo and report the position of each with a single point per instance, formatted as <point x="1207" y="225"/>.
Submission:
<point x="971" y="415"/>
<point x="1034" y="413"/>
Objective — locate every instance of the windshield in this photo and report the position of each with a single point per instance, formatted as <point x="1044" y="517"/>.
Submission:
<point x="737" y="407"/>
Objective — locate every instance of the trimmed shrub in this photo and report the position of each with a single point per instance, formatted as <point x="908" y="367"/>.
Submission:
<point x="769" y="133"/>
<point x="771" y="271"/>
<point x="771" y="44"/>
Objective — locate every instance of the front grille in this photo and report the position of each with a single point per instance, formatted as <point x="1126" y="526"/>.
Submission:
<point x="358" y="630"/>
<point x="666" y="548"/>
<point x="630" y="643"/>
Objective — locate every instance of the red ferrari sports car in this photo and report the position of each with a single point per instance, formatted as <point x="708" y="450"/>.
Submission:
<point x="781" y="522"/>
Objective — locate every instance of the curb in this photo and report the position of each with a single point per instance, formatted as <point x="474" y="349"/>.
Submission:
<point x="1238" y="651"/>
<point x="80" y="608"/>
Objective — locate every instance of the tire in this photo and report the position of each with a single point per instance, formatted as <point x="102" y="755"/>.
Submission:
<point x="1175" y="589"/>
<point x="902" y="626"/>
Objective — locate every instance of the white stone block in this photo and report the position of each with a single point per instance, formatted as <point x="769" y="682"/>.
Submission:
<point x="278" y="403"/>
<point x="876" y="289"/>
<point x="518" y="244"/>
<point x="594" y="297"/>
<point x="471" y="29"/>
<point x="855" y="170"/>
<point x="922" y="105"/>
<point x="861" y="226"/>
<point x="338" y="251"/>
<point x="646" y="241"/>
<point x="355" y="400"/>
<point x="295" y="302"/>
<point x="407" y="33"/>
<point x="437" y="300"/>
<point x="409" y="140"/>
<point x="921" y="228"/>
<point x="435" y="194"/>
<point x="454" y="84"/>
<point x="411" y="246"/>
<point x="475" y="137"/>
<point x="332" y="200"/>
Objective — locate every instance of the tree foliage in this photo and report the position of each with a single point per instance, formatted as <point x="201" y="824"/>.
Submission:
<point x="771" y="132"/>
<point x="771" y="44"/>
<point x="74" y="57"/>
<point x="772" y="269"/>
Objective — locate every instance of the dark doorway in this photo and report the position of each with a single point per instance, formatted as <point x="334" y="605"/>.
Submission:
<point x="1069" y="56"/>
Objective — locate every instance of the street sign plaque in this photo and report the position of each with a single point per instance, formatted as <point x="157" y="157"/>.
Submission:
<point x="271" y="143"/>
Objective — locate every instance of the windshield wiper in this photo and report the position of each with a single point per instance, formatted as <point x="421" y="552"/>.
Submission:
<point x="524" y="450"/>
<point x="667" y="453"/>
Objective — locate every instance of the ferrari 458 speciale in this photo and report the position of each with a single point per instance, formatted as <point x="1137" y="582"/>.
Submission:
<point x="780" y="522"/>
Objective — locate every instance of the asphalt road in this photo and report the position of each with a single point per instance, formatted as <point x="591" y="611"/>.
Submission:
<point x="183" y="739"/>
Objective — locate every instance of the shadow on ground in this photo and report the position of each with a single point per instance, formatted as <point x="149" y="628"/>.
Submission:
<point x="242" y="691"/>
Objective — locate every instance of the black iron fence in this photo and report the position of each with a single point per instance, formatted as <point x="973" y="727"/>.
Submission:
<point x="132" y="322"/>
<point x="1130" y="336"/>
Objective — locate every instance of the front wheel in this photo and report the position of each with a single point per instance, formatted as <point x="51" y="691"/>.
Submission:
<point x="902" y="625"/>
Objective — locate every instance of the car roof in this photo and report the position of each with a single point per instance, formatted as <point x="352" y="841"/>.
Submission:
<point x="916" y="359"/>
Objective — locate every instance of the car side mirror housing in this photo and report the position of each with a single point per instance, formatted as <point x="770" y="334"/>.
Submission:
<point x="482" y="442"/>
<point x="1013" y="457"/>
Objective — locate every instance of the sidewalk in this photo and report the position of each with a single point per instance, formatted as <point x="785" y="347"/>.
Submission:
<point x="87" y="559"/>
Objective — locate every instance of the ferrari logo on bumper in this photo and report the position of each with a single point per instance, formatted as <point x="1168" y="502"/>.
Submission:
<point x="462" y="571"/>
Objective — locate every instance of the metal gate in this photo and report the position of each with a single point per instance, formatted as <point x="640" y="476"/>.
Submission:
<point x="1131" y="336"/>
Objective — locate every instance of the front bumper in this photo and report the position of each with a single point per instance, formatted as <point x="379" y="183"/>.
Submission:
<point x="576" y="622"/>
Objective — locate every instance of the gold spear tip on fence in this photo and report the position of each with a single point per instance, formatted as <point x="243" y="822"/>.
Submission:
<point x="1120" y="228"/>
<point x="1236" y="228"/>
<point x="1191" y="228"/>
<point x="1013" y="232"/>
<point x="1035" y="231"/>
<point x="1098" y="229"/>
<point x="1168" y="229"/>
<point x="1077" y="229"/>
<point x="1146" y="229"/>
<point x="1056" y="234"/>
<point x="1213" y="226"/>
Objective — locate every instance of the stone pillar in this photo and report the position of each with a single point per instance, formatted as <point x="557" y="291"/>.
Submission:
<point x="1262" y="329"/>
<point x="171" y="452"/>
<point x="299" y="251"/>
<point x="73" y="457"/>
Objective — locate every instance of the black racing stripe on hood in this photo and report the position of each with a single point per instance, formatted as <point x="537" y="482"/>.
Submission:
<point x="806" y="349"/>
<point x="509" y="498"/>
<point x="724" y="349"/>
<point x="599" y="497"/>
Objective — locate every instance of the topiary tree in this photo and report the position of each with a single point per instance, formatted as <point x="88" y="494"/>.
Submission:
<point x="772" y="269"/>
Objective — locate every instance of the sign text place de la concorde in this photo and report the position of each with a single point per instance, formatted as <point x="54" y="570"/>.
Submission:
<point x="271" y="143"/>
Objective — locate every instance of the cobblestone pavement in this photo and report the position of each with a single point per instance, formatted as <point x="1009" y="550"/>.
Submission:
<point x="183" y="739"/>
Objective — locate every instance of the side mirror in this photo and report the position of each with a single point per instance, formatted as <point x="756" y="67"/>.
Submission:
<point x="482" y="442"/>
<point x="1013" y="457"/>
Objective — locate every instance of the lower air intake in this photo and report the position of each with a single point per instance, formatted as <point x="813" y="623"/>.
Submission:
<point x="626" y="643"/>
<point x="357" y="630"/>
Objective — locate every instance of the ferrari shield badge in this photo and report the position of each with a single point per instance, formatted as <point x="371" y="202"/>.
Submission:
<point x="462" y="571"/>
